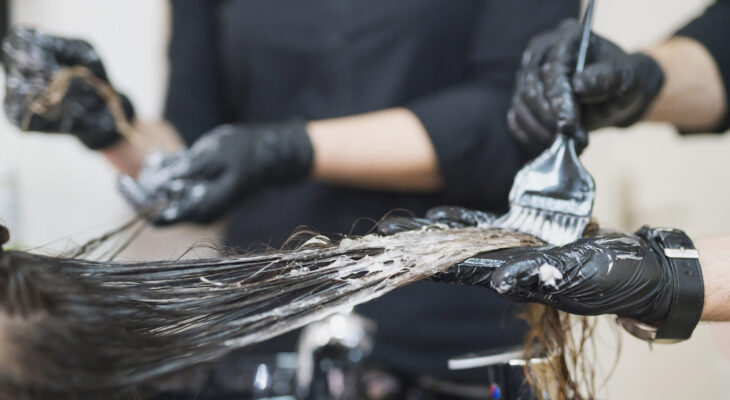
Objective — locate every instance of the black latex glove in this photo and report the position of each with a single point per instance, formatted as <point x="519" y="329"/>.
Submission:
<point x="453" y="217"/>
<point x="203" y="183"/>
<point x="30" y="60"/>
<point x="614" y="274"/>
<point x="614" y="89"/>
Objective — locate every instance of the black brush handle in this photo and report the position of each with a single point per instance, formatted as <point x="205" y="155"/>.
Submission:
<point x="585" y="36"/>
<point x="581" y="136"/>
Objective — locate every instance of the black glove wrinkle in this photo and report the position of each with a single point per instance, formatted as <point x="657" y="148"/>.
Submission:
<point x="460" y="215"/>
<point x="203" y="183"/>
<point x="614" y="89"/>
<point x="616" y="274"/>
<point x="31" y="60"/>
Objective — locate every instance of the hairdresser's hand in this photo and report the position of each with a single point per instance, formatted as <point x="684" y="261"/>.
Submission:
<point x="443" y="216"/>
<point x="32" y="62"/>
<point x="614" y="274"/>
<point x="615" y="88"/>
<point x="474" y="271"/>
<point x="226" y="164"/>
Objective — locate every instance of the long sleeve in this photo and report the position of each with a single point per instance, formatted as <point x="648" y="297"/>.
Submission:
<point x="712" y="29"/>
<point x="194" y="101"/>
<point x="467" y="122"/>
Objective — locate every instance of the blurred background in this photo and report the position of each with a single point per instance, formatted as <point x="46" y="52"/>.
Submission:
<point x="57" y="194"/>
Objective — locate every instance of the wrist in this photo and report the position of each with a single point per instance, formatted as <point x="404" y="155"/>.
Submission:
<point x="677" y="310"/>
<point x="295" y="154"/>
<point x="715" y="259"/>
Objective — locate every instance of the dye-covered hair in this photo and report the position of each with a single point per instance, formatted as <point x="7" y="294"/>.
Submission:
<point x="87" y="329"/>
<point x="75" y="328"/>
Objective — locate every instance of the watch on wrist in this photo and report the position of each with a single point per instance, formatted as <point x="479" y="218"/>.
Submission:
<point x="688" y="293"/>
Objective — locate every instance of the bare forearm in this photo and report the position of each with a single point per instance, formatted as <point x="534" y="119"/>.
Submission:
<point x="125" y="157"/>
<point x="715" y="261"/>
<point x="693" y="97"/>
<point x="387" y="150"/>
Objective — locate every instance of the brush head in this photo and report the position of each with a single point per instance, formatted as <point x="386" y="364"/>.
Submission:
<point x="552" y="196"/>
<point x="552" y="227"/>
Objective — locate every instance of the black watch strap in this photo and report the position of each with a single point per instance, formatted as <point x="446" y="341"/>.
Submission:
<point x="688" y="292"/>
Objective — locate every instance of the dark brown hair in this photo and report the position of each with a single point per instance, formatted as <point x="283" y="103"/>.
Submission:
<point x="76" y="328"/>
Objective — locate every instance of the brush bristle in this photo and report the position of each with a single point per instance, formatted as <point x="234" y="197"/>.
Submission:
<point x="554" y="228"/>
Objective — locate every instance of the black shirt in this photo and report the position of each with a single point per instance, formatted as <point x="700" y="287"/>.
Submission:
<point x="451" y="62"/>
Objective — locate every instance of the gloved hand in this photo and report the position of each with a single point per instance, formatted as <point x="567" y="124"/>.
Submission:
<point x="614" y="274"/>
<point x="450" y="216"/>
<point x="475" y="271"/>
<point x="201" y="184"/>
<point x="614" y="89"/>
<point x="31" y="59"/>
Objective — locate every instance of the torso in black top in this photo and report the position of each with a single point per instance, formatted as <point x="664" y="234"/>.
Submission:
<point x="450" y="62"/>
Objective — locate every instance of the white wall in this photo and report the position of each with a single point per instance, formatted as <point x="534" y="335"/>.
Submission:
<point x="644" y="175"/>
<point x="67" y="194"/>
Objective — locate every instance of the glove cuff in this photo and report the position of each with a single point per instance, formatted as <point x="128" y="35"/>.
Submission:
<point x="294" y="153"/>
<point x="678" y="256"/>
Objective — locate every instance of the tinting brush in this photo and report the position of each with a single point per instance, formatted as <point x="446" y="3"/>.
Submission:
<point x="552" y="196"/>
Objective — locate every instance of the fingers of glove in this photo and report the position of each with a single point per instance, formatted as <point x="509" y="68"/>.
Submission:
<point x="522" y="135"/>
<point x="132" y="191"/>
<point x="201" y="165"/>
<point x="167" y="200"/>
<point x="162" y="171"/>
<point x="206" y="158"/>
<point x="497" y="258"/>
<point x="465" y="274"/>
<point x="397" y="224"/>
<point x="36" y="123"/>
<point x="204" y="201"/>
<point x="581" y="139"/>
<point x="72" y="52"/>
<point x="621" y="111"/>
<point x="460" y="215"/>
<point x="556" y="71"/>
<point x="566" y="267"/>
<point x="536" y="50"/>
<point x="532" y="95"/>
<point x="155" y="171"/>
<point x="483" y="265"/>
<point x="534" y="131"/>
<point x="598" y="82"/>
<point x="26" y="50"/>
<point x="529" y="89"/>
<point x="17" y="113"/>
<point x="533" y="275"/>
<point x="147" y="204"/>
<point x="216" y="140"/>
<point x="173" y="202"/>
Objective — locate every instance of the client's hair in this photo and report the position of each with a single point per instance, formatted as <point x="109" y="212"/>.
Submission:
<point x="75" y="328"/>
